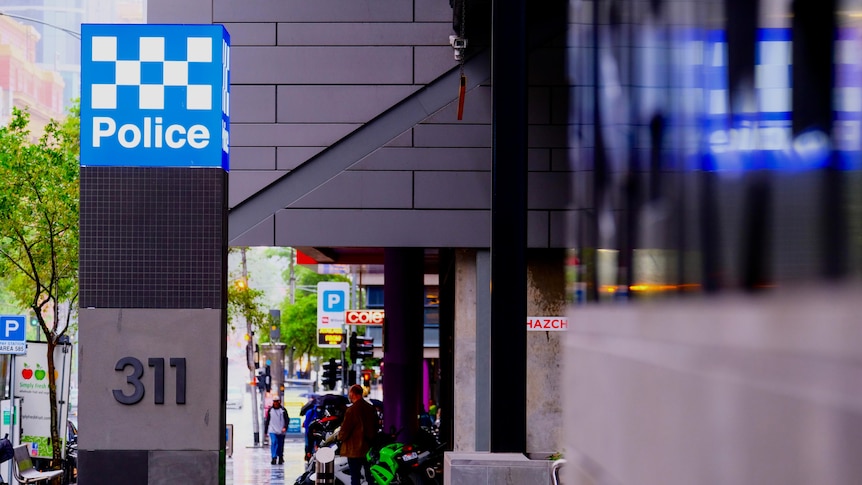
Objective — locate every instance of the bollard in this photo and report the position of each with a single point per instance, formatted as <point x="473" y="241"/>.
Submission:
<point x="324" y="467"/>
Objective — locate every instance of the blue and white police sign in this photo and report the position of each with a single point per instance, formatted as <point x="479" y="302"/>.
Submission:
<point x="13" y="335"/>
<point x="155" y="95"/>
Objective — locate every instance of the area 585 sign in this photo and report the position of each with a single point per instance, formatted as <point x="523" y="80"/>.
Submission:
<point x="155" y="95"/>
<point x="12" y="335"/>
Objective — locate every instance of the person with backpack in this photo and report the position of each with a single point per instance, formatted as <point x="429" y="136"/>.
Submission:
<point x="358" y="431"/>
<point x="275" y="423"/>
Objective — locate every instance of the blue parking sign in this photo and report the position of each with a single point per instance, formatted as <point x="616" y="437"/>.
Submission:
<point x="13" y="334"/>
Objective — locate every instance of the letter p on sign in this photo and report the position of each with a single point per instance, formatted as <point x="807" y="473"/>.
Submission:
<point x="333" y="301"/>
<point x="13" y="328"/>
<point x="10" y="327"/>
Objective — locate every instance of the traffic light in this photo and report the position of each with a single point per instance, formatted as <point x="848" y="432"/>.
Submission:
<point x="364" y="348"/>
<point x="267" y="379"/>
<point x="330" y="373"/>
<point x="261" y="380"/>
<point x="274" y="325"/>
<point x="352" y="347"/>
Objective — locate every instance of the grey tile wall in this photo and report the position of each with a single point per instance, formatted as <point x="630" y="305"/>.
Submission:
<point x="252" y="104"/>
<point x="453" y="190"/>
<point x="362" y="190"/>
<point x="319" y="65"/>
<point x="317" y="11"/>
<point x="251" y="33"/>
<point x="383" y="228"/>
<point x="337" y="104"/>
<point x="364" y="34"/>
<point x="307" y="74"/>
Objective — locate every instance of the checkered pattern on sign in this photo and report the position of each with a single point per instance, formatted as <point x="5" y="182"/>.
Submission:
<point x="772" y="73"/>
<point x="151" y="73"/>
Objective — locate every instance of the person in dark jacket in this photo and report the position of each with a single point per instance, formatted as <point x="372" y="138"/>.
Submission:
<point x="357" y="433"/>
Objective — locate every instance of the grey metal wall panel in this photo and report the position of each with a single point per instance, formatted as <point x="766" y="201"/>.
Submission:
<point x="252" y="104"/>
<point x="252" y="158"/>
<point x="538" y="105"/>
<point x="368" y="34"/>
<point x="316" y="11"/>
<point x="452" y="135"/>
<point x="289" y="134"/>
<point x="337" y="104"/>
<point x="454" y="158"/>
<point x="453" y="190"/>
<point x="362" y="190"/>
<point x="403" y="140"/>
<point x="251" y="33"/>
<point x="560" y="104"/>
<point x="287" y="158"/>
<point x="262" y="234"/>
<point x="561" y="234"/>
<point x="547" y="190"/>
<point x="383" y="228"/>
<point x="431" y="62"/>
<point x="244" y="183"/>
<point x="560" y="159"/>
<point x="174" y="12"/>
<point x="318" y="65"/>
<point x="537" y="229"/>
<point x="551" y="136"/>
<point x="538" y="159"/>
<point x="433" y="11"/>
<point x="477" y="108"/>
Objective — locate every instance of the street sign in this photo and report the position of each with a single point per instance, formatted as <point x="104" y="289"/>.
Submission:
<point x="13" y="335"/>
<point x="364" y="317"/>
<point x="155" y="95"/>
<point x="331" y="305"/>
<point x="547" y="324"/>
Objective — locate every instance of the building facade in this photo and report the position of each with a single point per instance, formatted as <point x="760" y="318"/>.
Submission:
<point x="699" y="162"/>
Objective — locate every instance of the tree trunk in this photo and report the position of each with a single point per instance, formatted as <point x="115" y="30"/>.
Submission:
<point x="56" y="443"/>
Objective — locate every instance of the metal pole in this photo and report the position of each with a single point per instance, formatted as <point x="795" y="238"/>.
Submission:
<point x="343" y="365"/>
<point x="249" y="357"/>
<point x="11" y="409"/>
<point x="292" y="282"/>
<point x="324" y="466"/>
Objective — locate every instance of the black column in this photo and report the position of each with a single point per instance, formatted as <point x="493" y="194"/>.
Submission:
<point x="814" y="30"/>
<point x="403" y="302"/>
<point x="509" y="228"/>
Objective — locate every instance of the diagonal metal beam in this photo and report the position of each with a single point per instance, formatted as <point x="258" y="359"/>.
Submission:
<point x="351" y="149"/>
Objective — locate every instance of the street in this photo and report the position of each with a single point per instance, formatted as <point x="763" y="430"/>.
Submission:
<point x="250" y="465"/>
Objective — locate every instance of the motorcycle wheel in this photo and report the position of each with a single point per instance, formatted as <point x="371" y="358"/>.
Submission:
<point x="417" y="479"/>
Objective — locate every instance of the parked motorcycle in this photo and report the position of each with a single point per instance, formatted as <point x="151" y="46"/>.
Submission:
<point x="391" y="462"/>
<point x="419" y="463"/>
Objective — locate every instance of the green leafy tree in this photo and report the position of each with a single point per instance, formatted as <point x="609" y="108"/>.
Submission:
<point x="39" y="228"/>
<point x="299" y="319"/>
<point x="245" y="303"/>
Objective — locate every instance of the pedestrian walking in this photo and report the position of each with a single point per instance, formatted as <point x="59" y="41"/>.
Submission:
<point x="275" y="423"/>
<point x="310" y="411"/>
<point x="358" y="431"/>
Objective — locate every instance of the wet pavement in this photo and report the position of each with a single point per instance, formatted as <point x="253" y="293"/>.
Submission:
<point x="251" y="466"/>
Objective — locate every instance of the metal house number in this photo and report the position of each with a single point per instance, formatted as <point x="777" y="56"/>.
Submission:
<point x="134" y="379"/>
